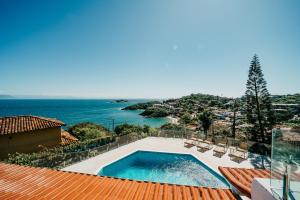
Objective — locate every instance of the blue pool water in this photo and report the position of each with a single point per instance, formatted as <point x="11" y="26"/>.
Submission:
<point x="182" y="169"/>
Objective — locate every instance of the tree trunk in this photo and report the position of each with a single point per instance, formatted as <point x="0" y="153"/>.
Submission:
<point x="259" y="114"/>
<point x="233" y="123"/>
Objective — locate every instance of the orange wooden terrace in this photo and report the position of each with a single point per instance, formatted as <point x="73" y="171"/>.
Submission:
<point x="21" y="182"/>
<point x="242" y="178"/>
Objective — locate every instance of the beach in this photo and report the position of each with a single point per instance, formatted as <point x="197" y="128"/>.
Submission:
<point x="173" y="120"/>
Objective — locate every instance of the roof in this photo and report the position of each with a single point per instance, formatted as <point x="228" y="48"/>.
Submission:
<point x="67" y="138"/>
<point x="242" y="178"/>
<point x="20" y="182"/>
<point x="19" y="124"/>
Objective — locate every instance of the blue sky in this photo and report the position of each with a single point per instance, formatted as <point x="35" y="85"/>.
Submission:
<point x="146" y="49"/>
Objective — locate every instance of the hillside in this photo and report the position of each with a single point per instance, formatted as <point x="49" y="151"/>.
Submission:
<point x="286" y="99"/>
<point x="193" y="103"/>
<point x="187" y="108"/>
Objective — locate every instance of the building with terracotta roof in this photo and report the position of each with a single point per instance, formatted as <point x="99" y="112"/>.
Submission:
<point x="27" y="134"/>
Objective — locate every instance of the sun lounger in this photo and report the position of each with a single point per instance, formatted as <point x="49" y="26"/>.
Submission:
<point x="204" y="146"/>
<point x="221" y="148"/>
<point x="192" y="142"/>
<point x="189" y="143"/>
<point x="240" y="153"/>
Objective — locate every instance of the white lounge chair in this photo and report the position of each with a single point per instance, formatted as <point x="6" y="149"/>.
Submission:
<point x="204" y="145"/>
<point x="240" y="153"/>
<point x="221" y="149"/>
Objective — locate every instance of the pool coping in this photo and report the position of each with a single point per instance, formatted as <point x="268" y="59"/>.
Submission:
<point x="94" y="164"/>
<point x="191" y="154"/>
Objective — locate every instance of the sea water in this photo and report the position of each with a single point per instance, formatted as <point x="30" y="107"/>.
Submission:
<point x="72" y="111"/>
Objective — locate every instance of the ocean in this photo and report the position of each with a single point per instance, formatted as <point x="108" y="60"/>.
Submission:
<point x="72" y="111"/>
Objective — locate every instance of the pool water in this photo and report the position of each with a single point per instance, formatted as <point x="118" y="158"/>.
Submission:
<point x="182" y="169"/>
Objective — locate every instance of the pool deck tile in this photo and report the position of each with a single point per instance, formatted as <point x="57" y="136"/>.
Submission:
<point x="171" y="145"/>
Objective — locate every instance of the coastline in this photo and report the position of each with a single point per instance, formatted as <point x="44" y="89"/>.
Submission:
<point x="99" y="111"/>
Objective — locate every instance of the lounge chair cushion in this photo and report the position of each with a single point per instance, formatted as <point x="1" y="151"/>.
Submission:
<point x="239" y="154"/>
<point x="205" y="145"/>
<point x="220" y="149"/>
<point x="241" y="150"/>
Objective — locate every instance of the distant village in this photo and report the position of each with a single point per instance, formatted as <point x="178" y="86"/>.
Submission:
<point x="185" y="110"/>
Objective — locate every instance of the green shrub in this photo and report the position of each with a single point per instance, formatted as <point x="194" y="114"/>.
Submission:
<point x="174" y="127"/>
<point x="125" y="129"/>
<point x="87" y="130"/>
<point x="53" y="158"/>
<point x="155" y="112"/>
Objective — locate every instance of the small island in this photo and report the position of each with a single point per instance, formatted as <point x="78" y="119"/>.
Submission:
<point x="121" y="101"/>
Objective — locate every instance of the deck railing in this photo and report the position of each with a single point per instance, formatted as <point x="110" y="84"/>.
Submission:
<point x="62" y="160"/>
<point x="65" y="159"/>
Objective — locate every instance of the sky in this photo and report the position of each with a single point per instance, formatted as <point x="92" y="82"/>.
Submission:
<point x="146" y="49"/>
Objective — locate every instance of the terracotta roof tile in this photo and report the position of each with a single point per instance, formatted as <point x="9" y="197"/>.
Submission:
<point x="20" y="182"/>
<point x="19" y="124"/>
<point x="242" y="178"/>
<point x="67" y="138"/>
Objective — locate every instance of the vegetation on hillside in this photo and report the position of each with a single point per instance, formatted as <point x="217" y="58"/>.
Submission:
<point x="174" y="127"/>
<point x="200" y="101"/>
<point x="125" y="129"/>
<point x="155" y="112"/>
<point x="141" y="106"/>
<point x="54" y="157"/>
<point x="186" y="118"/>
<point x="286" y="99"/>
<point x="87" y="131"/>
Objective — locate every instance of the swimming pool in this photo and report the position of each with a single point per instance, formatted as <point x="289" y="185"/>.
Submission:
<point x="182" y="169"/>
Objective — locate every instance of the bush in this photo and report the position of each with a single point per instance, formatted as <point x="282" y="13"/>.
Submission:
<point x="173" y="127"/>
<point x="53" y="158"/>
<point x="155" y="112"/>
<point x="186" y="118"/>
<point x="125" y="129"/>
<point x="87" y="130"/>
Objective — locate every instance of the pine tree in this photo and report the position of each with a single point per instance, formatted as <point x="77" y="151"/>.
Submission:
<point x="258" y="103"/>
<point x="235" y="107"/>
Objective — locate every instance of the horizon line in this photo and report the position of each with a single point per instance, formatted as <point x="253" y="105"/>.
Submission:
<point x="58" y="97"/>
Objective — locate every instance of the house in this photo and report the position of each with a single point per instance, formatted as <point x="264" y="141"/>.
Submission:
<point x="27" y="134"/>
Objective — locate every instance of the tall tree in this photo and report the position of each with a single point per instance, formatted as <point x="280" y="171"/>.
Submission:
<point x="206" y="120"/>
<point x="258" y="102"/>
<point x="235" y="107"/>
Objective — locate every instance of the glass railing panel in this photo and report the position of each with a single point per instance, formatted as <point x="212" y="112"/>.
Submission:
<point x="285" y="161"/>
